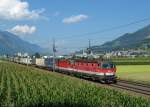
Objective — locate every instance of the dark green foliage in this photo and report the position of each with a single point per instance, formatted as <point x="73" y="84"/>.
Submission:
<point x="37" y="55"/>
<point x="131" y="61"/>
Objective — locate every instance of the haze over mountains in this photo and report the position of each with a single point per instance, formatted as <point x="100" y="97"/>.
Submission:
<point x="10" y="44"/>
<point x="138" y="39"/>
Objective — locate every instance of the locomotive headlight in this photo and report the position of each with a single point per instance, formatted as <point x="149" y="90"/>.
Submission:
<point x="109" y="73"/>
<point x="100" y="73"/>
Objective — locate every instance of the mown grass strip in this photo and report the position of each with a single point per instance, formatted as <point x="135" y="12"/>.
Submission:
<point x="137" y="73"/>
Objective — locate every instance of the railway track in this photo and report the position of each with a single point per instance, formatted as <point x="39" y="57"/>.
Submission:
<point x="132" y="86"/>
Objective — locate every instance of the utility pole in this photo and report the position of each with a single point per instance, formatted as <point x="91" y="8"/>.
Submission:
<point x="89" y="50"/>
<point x="54" y="51"/>
<point x="27" y="61"/>
<point x="89" y="44"/>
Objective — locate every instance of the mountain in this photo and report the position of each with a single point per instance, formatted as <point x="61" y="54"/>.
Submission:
<point x="10" y="44"/>
<point x="127" y="41"/>
<point x="145" y="44"/>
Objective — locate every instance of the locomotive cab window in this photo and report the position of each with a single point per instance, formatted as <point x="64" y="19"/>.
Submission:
<point x="108" y="65"/>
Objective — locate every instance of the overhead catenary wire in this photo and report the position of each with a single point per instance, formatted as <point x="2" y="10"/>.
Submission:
<point x="104" y="30"/>
<point x="107" y="29"/>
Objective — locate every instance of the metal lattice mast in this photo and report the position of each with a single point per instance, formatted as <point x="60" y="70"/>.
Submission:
<point x="89" y="47"/>
<point x="54" y="55"/>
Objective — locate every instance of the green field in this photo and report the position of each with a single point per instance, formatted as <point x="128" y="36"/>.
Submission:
<point x="22" y="86"/>
<point x="131" y="61"/>
<point x="139" y="73"/>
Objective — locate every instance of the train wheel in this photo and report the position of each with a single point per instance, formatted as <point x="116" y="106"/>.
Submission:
<point x="107" y="82"/>
<point x="115" y="81"/>
<point x="93" y="79"/>
<point x="102" y="81"/>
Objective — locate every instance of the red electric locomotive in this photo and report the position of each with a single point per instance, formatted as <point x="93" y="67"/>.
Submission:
<point x="103" y="71"/>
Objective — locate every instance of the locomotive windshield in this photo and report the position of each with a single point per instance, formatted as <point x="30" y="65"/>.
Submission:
<point x="108" y="65"/>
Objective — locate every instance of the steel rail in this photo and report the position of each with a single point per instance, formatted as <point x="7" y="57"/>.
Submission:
<point x="133" y="86"/>
<point x="135" y="83"/>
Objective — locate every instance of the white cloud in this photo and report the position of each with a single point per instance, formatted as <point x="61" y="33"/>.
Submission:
<point x="23" y="29"/>
<point x="17" y="9"/>
<point x="75" y="19"/>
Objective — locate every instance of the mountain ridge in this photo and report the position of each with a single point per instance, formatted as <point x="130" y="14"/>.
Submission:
<point x="126" y="41"/>
<point x="11" y="43"/>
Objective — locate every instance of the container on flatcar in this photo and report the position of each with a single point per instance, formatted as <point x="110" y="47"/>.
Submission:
<point x="45" y="62"/>
<point x="26" y="60"/>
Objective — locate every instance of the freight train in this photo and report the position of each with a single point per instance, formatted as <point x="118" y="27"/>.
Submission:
<point x="103" y="71"/>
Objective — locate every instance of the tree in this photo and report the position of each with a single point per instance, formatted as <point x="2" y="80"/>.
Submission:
<point x="37" y="55"/>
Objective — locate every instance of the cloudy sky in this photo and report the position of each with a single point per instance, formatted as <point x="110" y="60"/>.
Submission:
<point x="70" y="22"/>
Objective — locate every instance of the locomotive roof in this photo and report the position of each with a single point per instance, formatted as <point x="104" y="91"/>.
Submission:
<point x="92" y="61"/>
<point x="86" y="61"/>
<point x="89" y="60"/>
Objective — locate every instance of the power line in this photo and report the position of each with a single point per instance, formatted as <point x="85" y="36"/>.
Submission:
<point x="108" y="29"/>
<point x="104" y="30"/>
<point x="80" y="47"/>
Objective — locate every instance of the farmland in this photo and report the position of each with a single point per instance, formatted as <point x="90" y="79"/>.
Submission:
<point x="134" y="69"/>
<point x="28" y="86"/>
<point x="139" y="73"/>
<point x="131" y="61"/>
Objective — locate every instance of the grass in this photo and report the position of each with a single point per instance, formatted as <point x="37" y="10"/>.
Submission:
<point x="21" y="86"/>
<point x="138" y="73"/>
